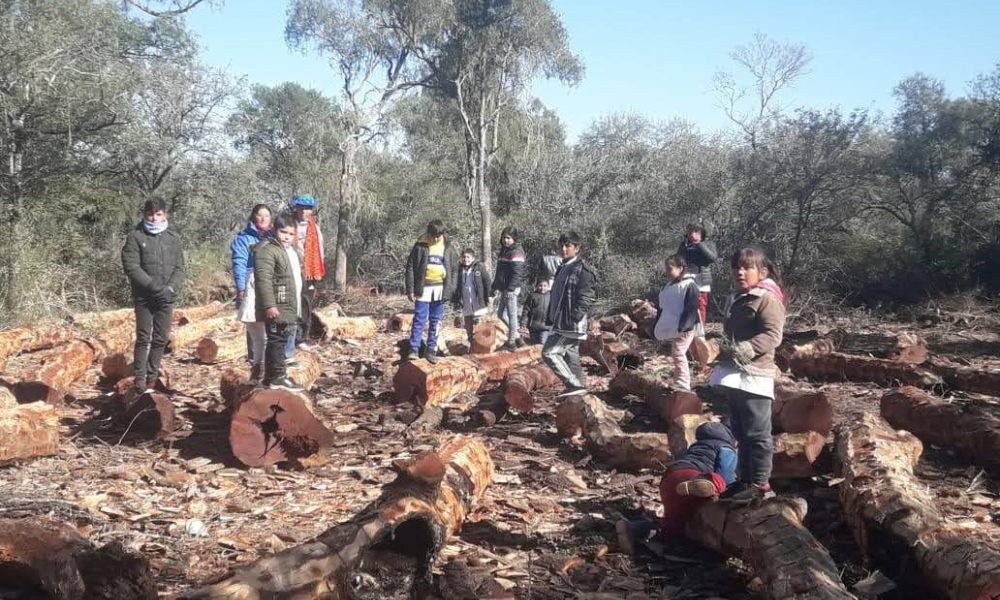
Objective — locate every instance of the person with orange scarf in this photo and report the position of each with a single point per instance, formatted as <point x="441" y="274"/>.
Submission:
<point x="310" y="245"/>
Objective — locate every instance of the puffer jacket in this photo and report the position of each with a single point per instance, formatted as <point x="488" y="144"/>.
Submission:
<point x="274" y="282"/>
<point x="510" y="269"/>
<point x="242" y="251"/>
<point x="154" y="264"/>
<point x="416" y="268"/>
<point x="699" y="258"/>
<point x="573" y="294"/>
<point x="714" y="450"/>
<point x="678" y="304"/>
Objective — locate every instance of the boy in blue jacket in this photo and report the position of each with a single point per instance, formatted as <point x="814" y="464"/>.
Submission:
<point x="700" y="473"/>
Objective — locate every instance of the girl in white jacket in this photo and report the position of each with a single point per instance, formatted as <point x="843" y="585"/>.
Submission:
<point x="677" y="321"/>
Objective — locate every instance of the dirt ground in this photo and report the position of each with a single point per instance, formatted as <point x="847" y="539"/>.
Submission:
<point x="545" y="529"/>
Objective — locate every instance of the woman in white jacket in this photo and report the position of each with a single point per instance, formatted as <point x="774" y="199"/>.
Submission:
<point x="677" y="321"/>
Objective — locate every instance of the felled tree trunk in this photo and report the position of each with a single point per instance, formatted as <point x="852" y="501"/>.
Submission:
<point x="60" y="368"/>
<point x="643" y="314"/>
<point x="114" y="346"/>
<point x="400" y="322"/>
<point x="47" y="556"/>
<point x="220" y="348"/>
<point x="436" y="383"/>
<point x="356" y="328"/>
<point x="613" y="356"/>
<point x="903" y="346"/>
<point x="589" y="416"/>
<point x="617" y="324"/>
<point x="270" y="426"/>
<point x="974" y="433"/>
<point x="15" y="341"/>
<point x="795" y="454"/>
<point x="521" y="382"/>
<point x="103" y="319"/>
<point x="843" y="367"/>
<point x="26" y="430"/>
<point x="893" y="514"/>
<point x="795" y="411"/>
<point x="770" y="538"/>
<point x="190" y="334"/>
<point x="967" y="379"/>
<point x="149" y="416"/>
<point x="235" y="384"/>
<point x="668" y="404"/>
<point x="186" y="316"/>
<point x="388" y="549"/>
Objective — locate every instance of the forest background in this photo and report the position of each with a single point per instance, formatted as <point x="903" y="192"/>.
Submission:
<point x="104" y="104"/>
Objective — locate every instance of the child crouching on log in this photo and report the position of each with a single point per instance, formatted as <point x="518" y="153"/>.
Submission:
<point x="703" y="471"/>
<point x="677" y="322"/>
<point x="744" y="374"/>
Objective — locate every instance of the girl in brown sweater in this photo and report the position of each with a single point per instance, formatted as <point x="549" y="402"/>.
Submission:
<point x="744" y="374"/>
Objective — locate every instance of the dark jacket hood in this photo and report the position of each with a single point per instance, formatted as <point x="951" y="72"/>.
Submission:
<point x="715" y="431"/>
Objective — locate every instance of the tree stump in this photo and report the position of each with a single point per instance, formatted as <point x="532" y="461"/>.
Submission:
<point x="844" y="367"/>
<point x="388" y="549"/>
<point x="272" y="426"/>
<point x="893" y="514"/>
<point x="589" y="416"/>
<point x="521" y="382"/>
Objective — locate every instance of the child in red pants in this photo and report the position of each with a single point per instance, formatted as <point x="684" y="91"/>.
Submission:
<point x="702" y="472"/>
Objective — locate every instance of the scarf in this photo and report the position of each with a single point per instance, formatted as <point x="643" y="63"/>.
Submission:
<point x="154" y="228"/>
<point x="312" y="254"/>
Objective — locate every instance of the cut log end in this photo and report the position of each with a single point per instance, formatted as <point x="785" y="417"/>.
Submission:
<point x="149" y="416"/>
<point x="272" y="426"/>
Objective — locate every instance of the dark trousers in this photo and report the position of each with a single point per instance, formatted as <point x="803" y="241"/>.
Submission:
<point x="470" y="325"/>
<point x="538" y="336"/>
<point x="750" y="422"/>
<point x="308" y="300"/>
<point x="152" y="330"/>
<point x="274" y="351"/>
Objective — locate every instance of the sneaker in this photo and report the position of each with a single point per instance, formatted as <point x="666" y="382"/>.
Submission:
<point x="699" y="487"/>
<point x="285" y="383"/>
<point x="431" y="357"/>
<point x="292" y="364"/>
<point x="745" y="494"/>
<point x="572" y="390"/>
<point x="412" y="355"/>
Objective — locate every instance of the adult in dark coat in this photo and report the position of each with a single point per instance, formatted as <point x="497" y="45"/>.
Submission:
<point x="699" y="254"/>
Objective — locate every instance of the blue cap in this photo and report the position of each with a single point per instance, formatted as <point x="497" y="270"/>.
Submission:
<point x="304" y="200"/>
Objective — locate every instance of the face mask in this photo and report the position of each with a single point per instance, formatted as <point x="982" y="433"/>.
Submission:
<point x="154" y="228"/>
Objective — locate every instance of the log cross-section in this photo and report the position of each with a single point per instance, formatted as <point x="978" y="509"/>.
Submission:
<point x="270" y="426"/>
<point x="666" y="402"/>
<point x="388" y="549"/>
<point x="522" y="382"/>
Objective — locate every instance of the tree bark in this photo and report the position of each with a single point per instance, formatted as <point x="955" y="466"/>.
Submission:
<point x="186" y="316"/>
<point x="358" y="328"/>
<point x="26" y="430"/>
<point x="52" y="557"/>
<point x="795" y="454"/>
<point x="521" y="382"/>
<point x="843" y="367"/>
<point x="349" y="192"/>
<point x="975" y="433"/>
<point x="613" y="356"/>
<point x="893" y="514"/>
<point x="668" y="404"/>
<point x="388" y="549"/>
<point x="16" y="341"/>
<point x="643" y="314"/>
<point x="589" y="416"/>
<point x="795" y="411"/>
<point x="617" y="324"/>
<point x="183" y="336"/>
<point x="273" y="426"/>
<point x="61" y="366"/>
<point x="220" y="347"/>
<point x="967" y="379"/>
<point x="437" y="383"/>
<point x="770" y="538"/>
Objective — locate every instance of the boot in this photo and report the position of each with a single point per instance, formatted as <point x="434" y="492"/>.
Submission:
<point x="257" y="373"/>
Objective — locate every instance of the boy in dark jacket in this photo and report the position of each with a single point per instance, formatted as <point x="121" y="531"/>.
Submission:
<point x="701" y="472"/>
<point x="278" y="290"/>
<point x="431" y="278"/>
<point x="472" y="292"/>
<point x="573" y="294"/>
<point x="536" y="310"/>
<point x="699" y="254"/>
<point x="153" y="258"/>
<point x="508" y="280"/>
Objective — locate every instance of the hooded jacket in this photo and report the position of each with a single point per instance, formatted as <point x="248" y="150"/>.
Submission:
<point x="573" y="294"/>
<point x="755" y="322"/>
<point x="274" y="282"/>
<point x="242" y="250"/>
<point x="714" y="450"/>
<point x="479" y="280"/>
<point x="536" y="310"/>
<point x="510" y="268"/>
<point x="153" y="263"/>
<point x="699" y="258"/>
<point x="678" y="308"/>
<point x="416" y="268"/>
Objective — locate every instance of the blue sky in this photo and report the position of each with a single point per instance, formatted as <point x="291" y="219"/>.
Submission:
<point x="657" y="58"/>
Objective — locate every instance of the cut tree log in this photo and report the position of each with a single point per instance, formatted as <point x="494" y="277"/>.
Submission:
<point x="796" y="411"/>
<point x="429" y="383"/>
<point x="903" y="346"/>
<point x="353" y="328"/>
<point x="150" y="416"/>
<point x="41" y="555"/>
<point x="844" y="367"/>
<point x="184" y="336"/>
<point x="617" y="324"/>
<point x="26" y="430"/>
<point x="667" y="403"/>
<point x="270" y="426"/>
<point x="967" y="379"/>
<point x="387" y="550"/>
<point x="770" y="538"/>
<point x="60" y="367"/>
<point x="102" y="319"/>
<point x="589" y="416"/>
<point x="643" y="314"/>
<point x="893" y="514"/>
<point x="972" y="431"/>
<point x="220" y="348"/>
<point x="521" y="382"/>
<point x="234" y="385"/>
<point x="401" y="322"/>
<point x="186" y="316"/>
<point x="795" y="454"/>
<point x="16" y="341"/>
<point x="484" y="339"/>
<point x="452" y="341"/>
<point x="116" y="367"/>
<point x="613" y="356"/>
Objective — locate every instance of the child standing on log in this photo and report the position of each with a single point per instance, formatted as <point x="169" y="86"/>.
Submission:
<point x="574" y="292"/>
<point x="278" y="287"/>
<point x="702" y="471"/>
<point x="677" y="321"/>
<point x="507" y="281"/>
<point x="536" y="309"/>
<point x="431" y="277"/>
<point x="472" y="295"/>
<point x="755" y="320"/>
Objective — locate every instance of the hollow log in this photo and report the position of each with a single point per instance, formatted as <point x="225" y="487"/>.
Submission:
<point x="643" y="314"/>
<point x="150" y="416"/>
<point x="186" y="316"/>
<point x="26" y="430"/>
<point x="190" y="334"/>
<point x="967" y="379"/>
<point x="667" y="403"/>
<point x="973" y="432"/>
<point x="61" y="366"/>
<point x="617" y="324"/>
<point x="401" y="322"/>
<point x="795" y="454"/>
<point x="272" y="426"/>
<point x="770" y="538"/>
<point x="589" y="416"/>
<point x="613" y="356"/>
<point x="893" y="514"/>
<point x="220" y="348"/>
<point x="102" y="319"/>
<point x="16" y="341"/>
<point x="795" y="411"/>
<point x="388" y="549"/>
<point x="356" y="328"/>
<point x="844" y="367"/>
<point x="521" y="382"/>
